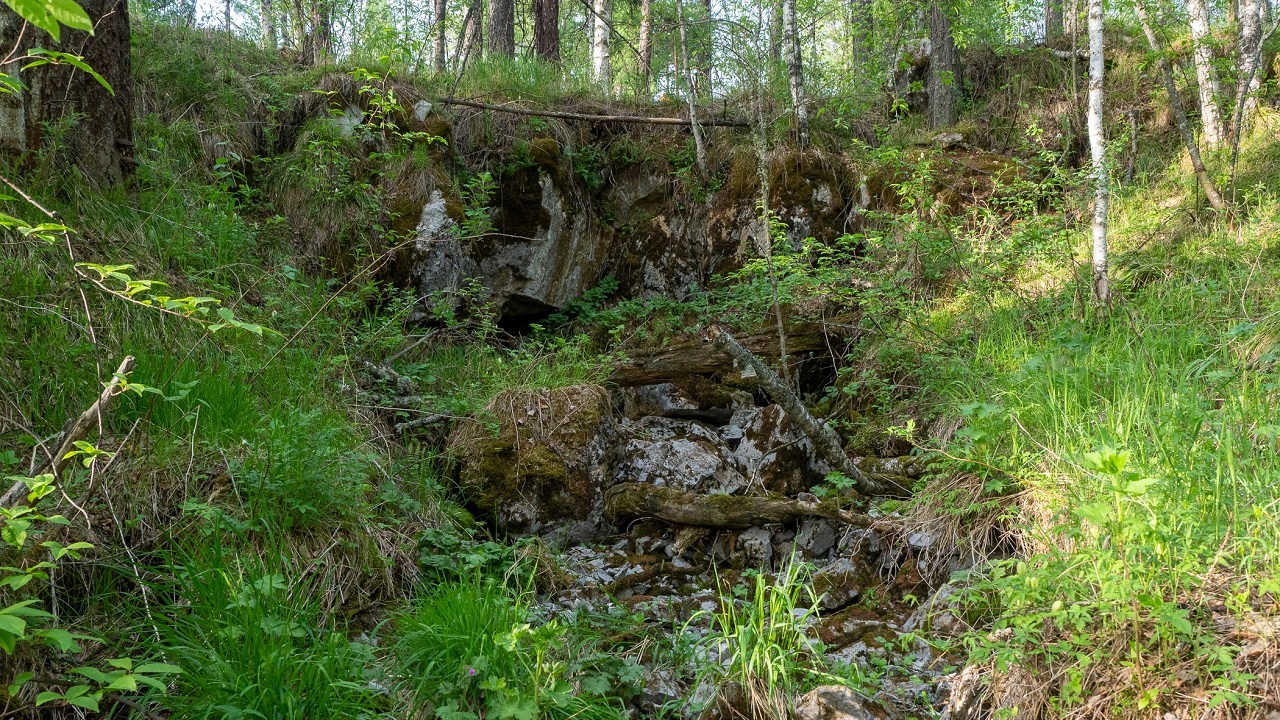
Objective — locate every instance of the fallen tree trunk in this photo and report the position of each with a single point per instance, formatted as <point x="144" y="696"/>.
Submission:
<point x="698" y="357"/>
<point x="633" y="119"/>
<point x="825" y="440"/>
<point x="75" y="429"/>
<point x="629" y="501"/>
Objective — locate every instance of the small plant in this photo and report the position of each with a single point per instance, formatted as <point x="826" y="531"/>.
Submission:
<point x="478" y="216"/>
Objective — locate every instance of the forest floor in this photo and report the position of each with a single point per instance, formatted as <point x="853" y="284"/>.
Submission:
<point x="1089" y="530"/>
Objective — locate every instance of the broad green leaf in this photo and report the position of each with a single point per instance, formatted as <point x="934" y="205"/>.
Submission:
<point x="89" y="702"/>
<point x="47" y="696"/>
<point x="70" y="14"/>
<point x="37" y="13"/>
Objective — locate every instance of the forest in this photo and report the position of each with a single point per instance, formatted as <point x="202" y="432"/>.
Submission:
<point x="640" y="359"/>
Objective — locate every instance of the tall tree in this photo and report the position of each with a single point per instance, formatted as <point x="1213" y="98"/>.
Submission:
<point x="268" y="24"/>
<point x="1052" y="19"/>
<point x="646" y="47"/>
<point x="546" y="29"/>
<point x="1175" y="105"/>
<point x="321" y="30"/>
<point x="440" y="8"/>
<point x="699" y="147"/>
<point x="1206" y="74"/>
<point x="601" y="66"/>
<point x="1250" y="62"/>
<point x="944" y="64"/>
<point x="502" y="28"/>
<point x="98" y="138"/>
<point x="1071" y="19"/>
<point x="795" y="69"/>
<point x="1098" y="152"/>
<point x="472" y="36"/>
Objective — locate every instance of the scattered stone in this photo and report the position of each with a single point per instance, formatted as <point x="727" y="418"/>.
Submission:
<point x="816" y="537"/>
<point x="939" y="616"/>
<point x="772" y="453"/>
<point x="661" y="686"/>
<point x="948" y="140"/>
<point x="755" y="547"/>
<point x="836" y="702"/>
<point x="680" y="454"/>
<point x="840" y="583"/>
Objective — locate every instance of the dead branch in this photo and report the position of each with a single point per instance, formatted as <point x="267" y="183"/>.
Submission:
<point x="635" y="119"/>
<point x="825" y="440"/>
<point x="75" y="429"/>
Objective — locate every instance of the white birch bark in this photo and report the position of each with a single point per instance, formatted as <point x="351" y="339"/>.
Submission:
<point x="1206" y="75"/>
<point x="601" y="66"/>
<point x="795" y="69"/>
<point x="1098" y="151"/>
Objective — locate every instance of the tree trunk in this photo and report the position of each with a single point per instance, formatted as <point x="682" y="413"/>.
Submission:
<point x="502" y="28"/>
<point x="646" y="48"/>
<point x="775" y="33"/>
<point x="1071" y="18"/>
<point x="1052" y="19"/>
<point x="1175" y="105"/>
<point x="943" y="65"/>
<point x="546" y="30"/>
<point x="226" y="15"/>
<point x="601" y="66"/>
<point x="1098" y="151"/>
<point x="860" y="18"/>
<point x="441" y="7"/>
<point x="1250" y="77"/>
<point x="100" y="141"/>
<point x="1206" y="74"/>
<point x="706" y="54"/>
<point x="269" y="25"/>
<point x="472" y="33"/>
<point x="795" y="69"/>
<point x="700" y="148"/>
<point x="321" y="30"/>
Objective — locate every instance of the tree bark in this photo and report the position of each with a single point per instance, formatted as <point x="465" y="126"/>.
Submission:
<point x="775" y="33"/>
<point x="680" y="360"/>
<point x="546" y="30"/>
<point x="1052" y="19"/>
<point x="628" y="501"/>
<point x="100" y="141"/>
<point x="795" y="70"/>
<point x="321" y="30"/>
<point x="706" y="54"/>
<point x="1250" y="61"/>
<point x="440" y="8"/>
<point x="268" y="24"/>
<point x="1206" y="74"/>
<point x="502" y="28"/>
<point x="860" y="19"/>
<point x="1098" y="152"/>
<point x="700" y="149"/>
<point x="646" y="48"/>
<point x="472" y="33"/>
<point x="601" y="65"/>
<point x="943" y="69"/>
<point x="1175" y="105"/>
<point x="1071" y="18"/>
<point x="825" y="440"/>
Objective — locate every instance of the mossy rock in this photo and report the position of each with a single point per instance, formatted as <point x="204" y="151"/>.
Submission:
<point x="544" y="469"/>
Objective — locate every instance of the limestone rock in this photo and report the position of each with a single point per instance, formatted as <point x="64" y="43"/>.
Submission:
<point x="773" y="454"/>
<point x="840" y="583"/>
<point x="755" y="547"/>
<point x="544" y="471"/>
<point x="836" y="702"/>
<point x="679" y="454"/>
<point x="816" y="537"/>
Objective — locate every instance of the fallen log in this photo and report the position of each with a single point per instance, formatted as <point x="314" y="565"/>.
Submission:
<point x="632" y="119"/>
<point x="698" y="357"/>
<point x="825" y="440"/>
<point x="75" y="429"/>
<point x="628" y="501"/>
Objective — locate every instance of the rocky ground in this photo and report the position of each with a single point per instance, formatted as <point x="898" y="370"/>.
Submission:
<point x="555" y="455"/>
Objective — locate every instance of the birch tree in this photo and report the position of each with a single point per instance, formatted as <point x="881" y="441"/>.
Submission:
<point x="1250" y="60"/>
<point x="1175" y="105"/>
<point x="646" y="47"/>
<point x="795" y="69"/>
<point x="1098" y="151"/>
<point x="1206" y="74"/>
<point x="601" y="67"/>
<point x="699" y="147"/>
